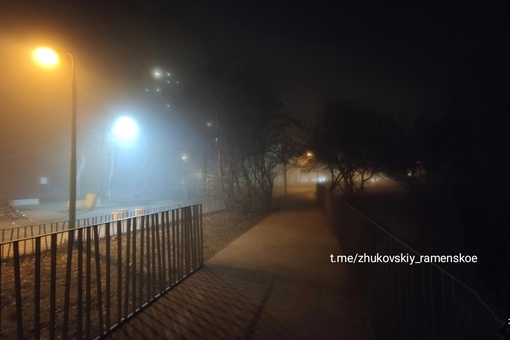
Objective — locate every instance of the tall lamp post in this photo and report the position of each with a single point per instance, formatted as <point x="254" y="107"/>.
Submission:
<point x="48" y="58"/>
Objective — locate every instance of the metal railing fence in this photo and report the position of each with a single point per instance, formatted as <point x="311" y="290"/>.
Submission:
<point x="83" y="282"/>
<point x="30" y="231"/>
<point x="403" y="301"/>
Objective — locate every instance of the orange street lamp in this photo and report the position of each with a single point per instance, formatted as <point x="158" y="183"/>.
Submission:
<point x="48" y="58"/>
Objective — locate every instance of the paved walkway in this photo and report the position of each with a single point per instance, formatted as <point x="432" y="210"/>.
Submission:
<point x="274" y="282"/>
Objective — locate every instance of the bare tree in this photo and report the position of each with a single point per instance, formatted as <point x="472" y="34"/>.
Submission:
<point x="241" y="136"/>
<point x="353" y="143"/>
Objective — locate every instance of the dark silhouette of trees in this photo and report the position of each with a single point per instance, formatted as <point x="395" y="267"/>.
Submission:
<point x="236" y="132"/>
<point x="353" y="143"/>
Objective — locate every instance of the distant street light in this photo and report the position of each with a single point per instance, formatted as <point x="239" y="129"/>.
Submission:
<point x="48" y="58"/>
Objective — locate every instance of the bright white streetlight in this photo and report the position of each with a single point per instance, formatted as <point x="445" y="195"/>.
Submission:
<point x="125" y="129"/>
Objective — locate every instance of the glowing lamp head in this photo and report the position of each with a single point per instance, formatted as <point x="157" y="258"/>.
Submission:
<point x="46" y="57"/>
<point x="125" y="129"/>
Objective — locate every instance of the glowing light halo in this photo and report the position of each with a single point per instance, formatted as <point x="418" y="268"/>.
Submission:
<point x="46" y="57"/>
<point x="157" y="73"/>
<point x="125" y="129"/>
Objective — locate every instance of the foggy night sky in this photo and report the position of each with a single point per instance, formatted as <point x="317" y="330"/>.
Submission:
<point x="400" y="55"/>
<point x="405" y="57"/>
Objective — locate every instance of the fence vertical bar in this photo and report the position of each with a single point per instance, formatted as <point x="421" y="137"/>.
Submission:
<point x="454" y="303"/>
<point x="108" y="273"/>
<point x="182" y="240"/>
<point x="98" y="279"/>
<point x="185" y="234"/>
<point x="128" y="267"/>
<point x="37" y="289"/>
<point x="432" y="319"/>
<point x="189" y="240"/>
<point x="200" y="236"/>
<point x="161" y="285"/>
<point x="80" y="282"/>
<point x="194" y="239"/>
<point x="154" y="280"/>
<point x="24" y="242"/>
<point x="153" y="276"/>
<point x="1" y="265"/>
<point x="88" y="283"/>
<point x="174" y="248"/>
<point x="400" y="316"/>
<point x="142" y="250"/>
<point x="149" y="262"/>
<point x="412" y="298"/>
<point x="133" y="265"/>
<point x="393" y="325"/>
<point x="181" y="245"/>
<point x="68" y="282"/>
<point x="17" y="285"/>
<point x="386" y="304"/>
<point x="45" y="240"/>
<point x="10" y="243"/>
<point x="119" y="271"/>
<point x="443" y="306"/>
<point x="197" y="234"/>
<point x="53" y="285"/>
<point x="405" y="308"/>
<point x="164" y="247"/>
<point x="170" y="247"/>
<point x="423" y="300"/>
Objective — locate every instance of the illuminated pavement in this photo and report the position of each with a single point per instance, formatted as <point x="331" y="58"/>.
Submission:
<point x="274" y="282"/>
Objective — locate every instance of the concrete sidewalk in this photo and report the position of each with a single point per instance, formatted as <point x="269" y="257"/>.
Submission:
<point x="274" y="282"/>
